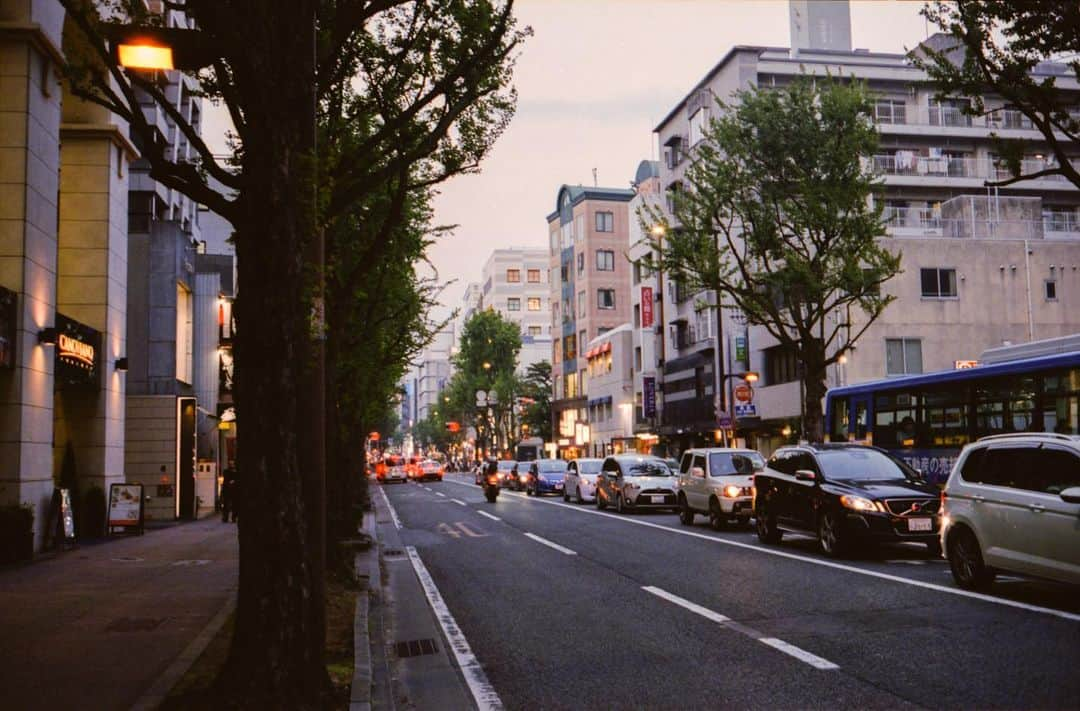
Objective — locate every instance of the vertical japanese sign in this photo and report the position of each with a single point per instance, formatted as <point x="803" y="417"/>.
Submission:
<point x="648" y="396"/>
<point x="740" y="350"/>
<point x="646" y="307"/>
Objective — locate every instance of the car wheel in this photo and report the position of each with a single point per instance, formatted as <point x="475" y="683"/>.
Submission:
<point x="716" y="516"/>
<point x="831" y="535"/>
<point x="565" y="495"/>
<point x="619" y="503"/>
<point x="686" y="514"/>
<point x="767" y="530"/>
<point x="600" y="503"/>
<point x="966" y="561"/>
<point x="934" y="548"/>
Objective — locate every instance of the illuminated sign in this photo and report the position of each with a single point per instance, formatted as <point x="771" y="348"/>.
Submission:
<point x="77" y="347"/>
<point x="964" y="364"/>
<point x="646" y="307"/>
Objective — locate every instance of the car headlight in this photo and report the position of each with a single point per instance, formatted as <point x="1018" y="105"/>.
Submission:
<point x="731" y="491"/>
<point x="858" y="503"/>
<point x="523" y="477"/>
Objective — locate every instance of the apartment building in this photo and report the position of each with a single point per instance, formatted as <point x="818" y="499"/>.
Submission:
<point x="431" y="373"/>
<point x="589" y="285"/>
<point x="610" y="368"/>
<point x="980" y="267"/>
<point x="515" y="283"/>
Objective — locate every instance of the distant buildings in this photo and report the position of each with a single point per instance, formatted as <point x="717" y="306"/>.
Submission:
<point x="515" y="284"/>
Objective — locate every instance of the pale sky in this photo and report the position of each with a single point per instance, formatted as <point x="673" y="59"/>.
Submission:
<point x="592" y="82"/>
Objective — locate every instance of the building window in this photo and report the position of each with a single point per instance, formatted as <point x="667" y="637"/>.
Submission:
<point x="513" y="304"/>
<point x="583" y="337"/>
<point x="637" y="315"/>
<point x="637" y="357"/>
<point x="534" y="303"/>
<point x="605" y="298"/>
<point x="513" y="276"/>
<point x="903" y="356"/>
<point x="890" y="111"/>
<point x="605" y="222"/>
<point x="184" y="334"/>
<point x="580" y="262"/>
<point x="535" y="330"/>
<point x="605" y="260"/>
<point x="698" y="122"/>
<point x="1051" y="290"/>
<point x="533" y="275"/>
<point x="570" y="347"/>
<point x="938" y="283"/>
<point x="636" y="271"/>
<point x="582" y="304"/>
<point x="781" y="365"/>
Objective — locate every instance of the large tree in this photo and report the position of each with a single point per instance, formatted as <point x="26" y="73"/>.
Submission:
<point x="776" y="218"/>
<point x="427" y="85"/>
<point x="994" y="50"/>
<point x="536" y="388"/>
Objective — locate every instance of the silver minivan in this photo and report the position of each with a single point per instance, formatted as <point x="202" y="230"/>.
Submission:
<point x="1012" y="503"/>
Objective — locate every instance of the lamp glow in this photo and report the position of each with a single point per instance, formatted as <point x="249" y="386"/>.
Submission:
<point x="145" y="56"/>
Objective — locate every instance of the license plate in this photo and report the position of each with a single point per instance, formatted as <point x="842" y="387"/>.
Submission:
<point x="658" y="499"/>
<point x="920" y="524"/>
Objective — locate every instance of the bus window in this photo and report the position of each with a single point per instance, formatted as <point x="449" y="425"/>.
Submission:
<point x="860" y="420"/>
<point x="840" y="415"/>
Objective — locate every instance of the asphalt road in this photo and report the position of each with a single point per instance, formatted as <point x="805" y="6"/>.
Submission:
<point x="638" y="611"/>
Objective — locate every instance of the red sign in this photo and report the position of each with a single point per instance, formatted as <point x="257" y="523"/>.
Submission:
<point x="646" y="307"/>
<point x="744" y="393"/>
<point x="374" y="436"/>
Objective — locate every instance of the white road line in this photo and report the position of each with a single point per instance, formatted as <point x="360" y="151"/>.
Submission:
<point x="483" y="693"/>
<point x="800" y="654"/>
<point x="1071" y="616"/>
<point x="485" y="513"/>
<point x="439" y="493"/>
<point x="683" y="602"/>
<point x="549" y="544"/>
<point x="390" y="508"/>
<point x="459" y="501"/>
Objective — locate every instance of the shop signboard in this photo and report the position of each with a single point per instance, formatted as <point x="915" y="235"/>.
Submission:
<point x="77" y="352"/>
<point x="740" y="350"/>
<point x="125" y="507"/>
<point x="8" y="314"/>
<point x="646" y="307"/>
<point x="648" y="396"/>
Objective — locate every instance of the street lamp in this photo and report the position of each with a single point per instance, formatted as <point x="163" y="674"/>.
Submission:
<point x="487" y="365"/>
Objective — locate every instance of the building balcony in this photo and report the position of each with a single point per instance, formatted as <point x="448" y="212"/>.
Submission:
<point x="950" y="120"/>
<point x="909" y="168"/>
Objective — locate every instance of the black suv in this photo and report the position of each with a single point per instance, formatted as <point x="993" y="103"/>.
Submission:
<point x="845" y="494"/>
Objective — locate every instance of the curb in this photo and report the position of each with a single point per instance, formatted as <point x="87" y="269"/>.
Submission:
<point x="157" y="692"/>
<point x="366" y="564"/>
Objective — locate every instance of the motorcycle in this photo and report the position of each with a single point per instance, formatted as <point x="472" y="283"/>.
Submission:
<point x="491" y="483"/>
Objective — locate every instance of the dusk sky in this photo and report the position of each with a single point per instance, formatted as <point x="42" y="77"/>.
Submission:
<point x="592" y="82"/>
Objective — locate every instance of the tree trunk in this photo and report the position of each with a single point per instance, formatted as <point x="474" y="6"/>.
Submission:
<point x="277" y="655"/>
<point x="814" y="419"/>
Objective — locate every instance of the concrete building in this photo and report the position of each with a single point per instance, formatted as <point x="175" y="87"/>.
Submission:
<point x="610" y="396"/>
<point x="431" y="374"/>
<point x="647" y="304"/>
<point x="979" y="268"/>
<point x="515" y="283"/>
<point x="64" y="173"/>
<point x="589" y="286"/>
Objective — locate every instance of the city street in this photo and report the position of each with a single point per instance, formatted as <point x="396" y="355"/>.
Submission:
<point x="564" y="606"/>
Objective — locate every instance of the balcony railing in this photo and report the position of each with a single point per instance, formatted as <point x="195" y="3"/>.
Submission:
<point x="911" y="218"/>
<point x="951" y="116"/>
<point x="909" y="163"/>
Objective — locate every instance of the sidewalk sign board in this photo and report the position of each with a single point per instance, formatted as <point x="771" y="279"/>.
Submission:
<point x="126" y="508"/>
<point x="60" y="527"/>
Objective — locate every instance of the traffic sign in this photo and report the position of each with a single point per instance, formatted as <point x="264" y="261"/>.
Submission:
<point x="724" y="421"/>
<point x="747" y="409"/>
<point x="744" y="393"/>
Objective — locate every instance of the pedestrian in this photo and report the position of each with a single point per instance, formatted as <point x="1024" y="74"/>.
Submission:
<point x="229" y="491"/>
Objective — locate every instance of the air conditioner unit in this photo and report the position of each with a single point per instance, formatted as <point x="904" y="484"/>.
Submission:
<point x="658" y="297"/>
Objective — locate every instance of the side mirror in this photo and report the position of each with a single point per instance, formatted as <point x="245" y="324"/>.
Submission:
<point x="805" y="475"/>
<point x="1071" y="495"/>
<point x="698" y="472"/>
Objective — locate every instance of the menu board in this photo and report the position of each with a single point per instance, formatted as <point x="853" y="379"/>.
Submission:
<point x="125" y="506"/>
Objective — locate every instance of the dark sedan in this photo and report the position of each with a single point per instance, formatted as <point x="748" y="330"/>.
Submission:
<point x="846" y="495"/>
<point x="546" y="476"/>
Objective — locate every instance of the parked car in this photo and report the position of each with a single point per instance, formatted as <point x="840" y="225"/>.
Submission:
<point x="718" y="482"/>
<point x="580" y="482"/>
<point x="1012" y="502"/>
<point x="846" y="495"/>
<point x="430" y="469"/>
<point x="635" y="481"/>
<point x="508" y="474"/>
<point x="546" y="476"/>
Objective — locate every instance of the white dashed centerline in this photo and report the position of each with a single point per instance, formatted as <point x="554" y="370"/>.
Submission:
<point x="439" y="493"/>
<point x="801" y="654"/>
<point x="550" y="544"/>
<point x="459" y="501"/>
<point x="485" y="513"/>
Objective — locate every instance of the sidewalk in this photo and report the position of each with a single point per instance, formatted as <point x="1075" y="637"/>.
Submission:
<point x="96" y="627"/>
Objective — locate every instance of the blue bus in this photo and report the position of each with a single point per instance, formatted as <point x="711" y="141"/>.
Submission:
<point x="927" y="419"/>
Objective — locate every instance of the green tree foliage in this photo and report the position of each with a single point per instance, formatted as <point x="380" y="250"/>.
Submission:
<point x="776" y="219"/>
<point x="537" y="387"/>
<point x="994" y="49"/>
<point x="489" y="340"/>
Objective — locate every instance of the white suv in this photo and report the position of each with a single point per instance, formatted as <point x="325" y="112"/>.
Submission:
<point x="718" y="482"/>
<point x="1012" y="503"/>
